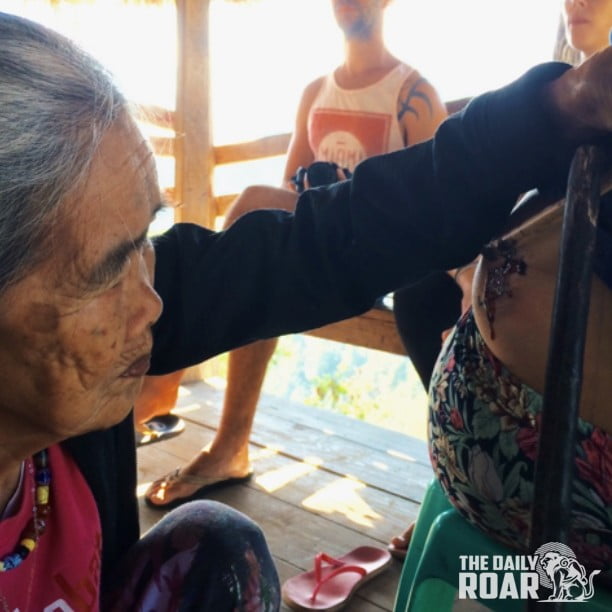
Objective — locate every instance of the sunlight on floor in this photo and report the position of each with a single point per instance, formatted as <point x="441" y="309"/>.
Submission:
<point x="400" y="455"/>
<point x="186" y="409"/>
<point x="142" y="488"/>
<point x="184" y="391"/>
<point x="263" y="452"/>
<point x="216" y="382"/>
<point x="273" y="480"/>
<point x="342" y="497"/>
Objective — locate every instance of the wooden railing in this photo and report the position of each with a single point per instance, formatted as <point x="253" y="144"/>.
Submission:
<point x="268" y="146"/>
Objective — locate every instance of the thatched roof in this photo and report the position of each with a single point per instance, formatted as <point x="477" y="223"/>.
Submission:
<point x="60" y="2"/>
<point x="147" y="2"/>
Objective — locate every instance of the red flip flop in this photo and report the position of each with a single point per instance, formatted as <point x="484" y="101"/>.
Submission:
<point x="332" y="582"/>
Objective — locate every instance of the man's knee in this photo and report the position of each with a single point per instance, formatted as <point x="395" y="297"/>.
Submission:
<point x="257" y="197"/>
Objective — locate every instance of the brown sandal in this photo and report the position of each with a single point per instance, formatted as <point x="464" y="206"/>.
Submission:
<point x="205" y="485"/>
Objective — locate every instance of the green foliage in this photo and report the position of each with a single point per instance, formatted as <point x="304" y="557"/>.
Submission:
<point x="369" y="385"/>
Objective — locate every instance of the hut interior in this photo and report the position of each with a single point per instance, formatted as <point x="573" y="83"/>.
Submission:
<point x="324" y="481"/>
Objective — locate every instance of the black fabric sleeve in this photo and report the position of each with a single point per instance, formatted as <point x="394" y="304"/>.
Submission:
<point x="107" y="460"/>
<point x="402" y="215"/>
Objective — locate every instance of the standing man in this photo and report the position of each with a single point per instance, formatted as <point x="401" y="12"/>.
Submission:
<point x="371" y="104"/>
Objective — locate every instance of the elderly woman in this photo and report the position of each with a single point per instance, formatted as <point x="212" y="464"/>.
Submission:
<point x="77" y="193"/>
<point x="80" y="320"/>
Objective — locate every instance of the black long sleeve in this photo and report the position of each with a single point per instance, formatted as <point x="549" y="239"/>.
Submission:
<point x="428" y="207"/>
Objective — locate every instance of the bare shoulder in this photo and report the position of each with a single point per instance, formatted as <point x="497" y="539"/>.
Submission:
<point x="419" y="108"/>
<point x="312" y="89"/>
<point x="306" y="101"/>
<point x="419" y="92"/>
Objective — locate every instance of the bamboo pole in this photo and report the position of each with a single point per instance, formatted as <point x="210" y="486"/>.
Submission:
<point x="193" y="147"/>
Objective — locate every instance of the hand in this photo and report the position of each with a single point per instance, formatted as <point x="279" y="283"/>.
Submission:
<point x="323" y="173"/>
<point x="582" y="98"/>
<point x="342" y="176"/>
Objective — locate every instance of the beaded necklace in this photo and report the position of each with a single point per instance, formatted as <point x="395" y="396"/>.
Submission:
<point x="40" y="511"/>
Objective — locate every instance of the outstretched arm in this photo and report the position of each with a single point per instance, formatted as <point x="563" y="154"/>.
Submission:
<point x="427" y="207"/>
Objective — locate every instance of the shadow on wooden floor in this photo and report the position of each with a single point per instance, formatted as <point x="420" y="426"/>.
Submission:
<point x="323" y="482"/>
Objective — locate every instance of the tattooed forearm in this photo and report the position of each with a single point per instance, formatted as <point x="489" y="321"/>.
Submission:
<point x="406" y="105"/>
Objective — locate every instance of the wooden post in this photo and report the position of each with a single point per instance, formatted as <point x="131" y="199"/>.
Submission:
<point x="555" y="464"/>
<point x="193" y="151"/>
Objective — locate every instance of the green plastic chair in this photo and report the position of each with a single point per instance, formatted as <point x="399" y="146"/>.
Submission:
<point x="429" y="579"/>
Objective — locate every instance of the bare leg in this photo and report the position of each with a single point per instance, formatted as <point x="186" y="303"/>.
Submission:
<point x="227" y="456"/>
<point x="157" y="396"/>
<point x="398" y="546"/>
<point x="229" y="451"/>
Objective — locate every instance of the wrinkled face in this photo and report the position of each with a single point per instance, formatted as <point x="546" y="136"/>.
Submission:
<point x="75" y="334"/>
<point x="358" y="18"/>
<point x="588" y="24"/>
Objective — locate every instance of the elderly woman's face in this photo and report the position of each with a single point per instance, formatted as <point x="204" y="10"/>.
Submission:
<point x="75" y="334"/>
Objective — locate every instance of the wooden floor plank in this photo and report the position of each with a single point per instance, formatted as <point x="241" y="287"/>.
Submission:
<point x="381" y="461"/>
<point x="295" y="540"/>
<point x="346" y="501"/>
<point x="348" y="428"/>
<point x="322" y="483"/>
<point x="310" y="416"/>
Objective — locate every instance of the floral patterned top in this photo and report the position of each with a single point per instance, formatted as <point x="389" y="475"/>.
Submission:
<point x="483" y="432"/>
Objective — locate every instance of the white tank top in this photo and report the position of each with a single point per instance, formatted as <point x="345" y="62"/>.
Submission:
<point x="348" y="125"/>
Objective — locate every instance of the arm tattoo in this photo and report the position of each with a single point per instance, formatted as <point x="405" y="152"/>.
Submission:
<point x="405" y="106"/>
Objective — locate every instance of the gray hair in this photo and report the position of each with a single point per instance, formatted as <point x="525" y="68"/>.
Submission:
<point x="56" y="102"/>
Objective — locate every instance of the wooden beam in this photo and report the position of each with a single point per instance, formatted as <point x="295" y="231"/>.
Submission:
<point x="254" y="149"/>
<point x="223" y="202"/>
<point x="193" y="145"/>
<point x="374" y="329"/>
<point x="227" y="154"/>
<point x="155" y="115"/>
<point x="163" y="145"/>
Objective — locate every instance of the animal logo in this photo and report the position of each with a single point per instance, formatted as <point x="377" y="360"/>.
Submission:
<point x="563" y="573"/>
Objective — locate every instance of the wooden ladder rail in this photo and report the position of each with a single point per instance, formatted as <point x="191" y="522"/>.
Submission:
<point x="554" y="472"/>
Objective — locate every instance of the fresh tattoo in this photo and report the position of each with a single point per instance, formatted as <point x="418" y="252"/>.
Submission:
<point x="496" y="284"/>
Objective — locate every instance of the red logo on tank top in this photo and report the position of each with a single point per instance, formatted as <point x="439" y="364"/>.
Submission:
<point x="346" y="137"/>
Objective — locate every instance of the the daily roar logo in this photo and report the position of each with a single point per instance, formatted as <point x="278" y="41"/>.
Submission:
<point x="553" y="566"/>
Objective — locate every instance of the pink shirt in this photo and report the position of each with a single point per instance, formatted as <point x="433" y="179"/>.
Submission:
<point x="63" y="572"/>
